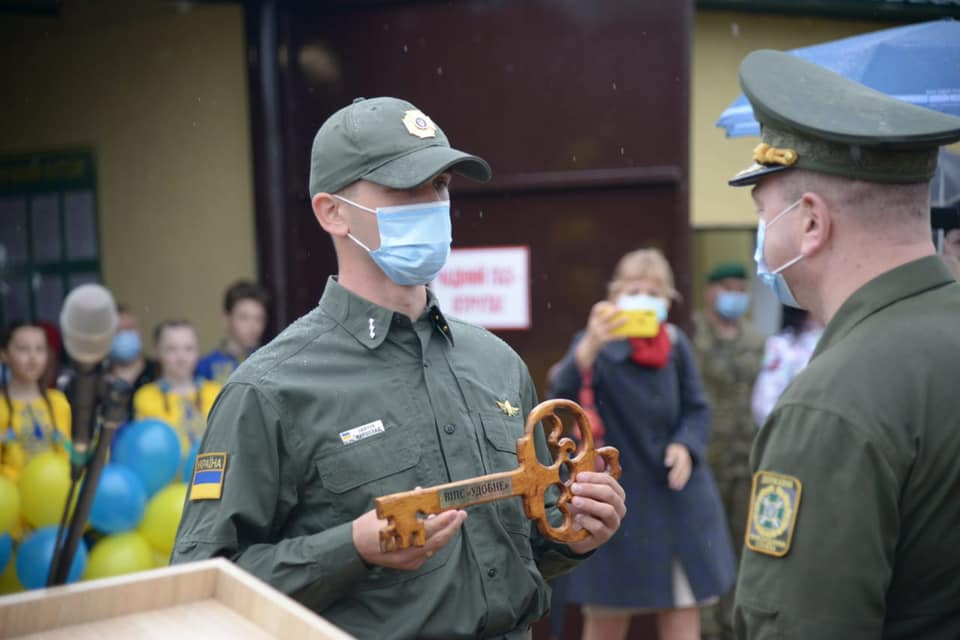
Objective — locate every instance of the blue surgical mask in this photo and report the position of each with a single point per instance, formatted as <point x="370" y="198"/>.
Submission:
<point x="732" y="304"/>
<point x="774" y="279"/>
<point x="126" y="346"/>
<point x="414" y="240"/>
<point x="644" y="302"/>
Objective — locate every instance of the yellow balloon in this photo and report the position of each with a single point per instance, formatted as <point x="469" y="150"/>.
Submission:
<point x="119" y="554"/>
<point x="44" y="485"/>
<point x="9" y="505"/>
<point x="162" y="517"/>
<point x="9" y="582"/>
<point x="160" y="560"/>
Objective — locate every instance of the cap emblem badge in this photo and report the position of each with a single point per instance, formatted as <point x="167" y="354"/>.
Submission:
<point x="419" y="124"/>
<point x="766" y="154"/>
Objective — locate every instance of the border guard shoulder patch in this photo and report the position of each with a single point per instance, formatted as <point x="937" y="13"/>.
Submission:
<point x="774" y="502"/>
<point x="208" y="476"/>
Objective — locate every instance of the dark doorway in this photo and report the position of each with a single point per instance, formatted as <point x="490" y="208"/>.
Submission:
<point x="581" y="108"/>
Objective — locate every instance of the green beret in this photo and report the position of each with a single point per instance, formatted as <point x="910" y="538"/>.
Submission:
<point x="726" y="270"/>
<point x="812" y="118"/>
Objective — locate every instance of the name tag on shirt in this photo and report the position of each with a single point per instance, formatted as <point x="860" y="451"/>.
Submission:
<point x="363" y="431"/>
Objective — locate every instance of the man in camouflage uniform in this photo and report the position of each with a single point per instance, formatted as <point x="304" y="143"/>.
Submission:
<point x="729" y="353"/>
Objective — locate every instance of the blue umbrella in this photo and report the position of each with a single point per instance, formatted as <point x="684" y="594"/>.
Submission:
<point x="945" y="186"/>
<point x="918" y="63"/>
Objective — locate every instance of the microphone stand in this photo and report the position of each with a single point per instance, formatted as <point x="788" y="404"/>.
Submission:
<point x="114" y="409"/>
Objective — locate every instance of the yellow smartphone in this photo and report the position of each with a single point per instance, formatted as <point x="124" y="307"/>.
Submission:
<point x="640" y="323"/>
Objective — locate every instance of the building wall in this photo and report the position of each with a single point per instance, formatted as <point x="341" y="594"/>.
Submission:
<point x="158" y="91"/>
<point x="720" y="41"/>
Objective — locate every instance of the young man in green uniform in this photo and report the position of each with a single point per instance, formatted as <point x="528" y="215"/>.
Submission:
<point x="853" y="512"/>
<point x="376" y="391"/>
<point x="729" y="354"/>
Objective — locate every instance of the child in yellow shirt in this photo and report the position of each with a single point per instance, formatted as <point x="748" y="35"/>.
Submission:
<point x="33" y="418"/>
<point x="177" y="397"/>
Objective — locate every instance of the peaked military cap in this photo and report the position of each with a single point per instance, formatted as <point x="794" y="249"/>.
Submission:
<point x="386" y="141"/>
<point x="812" y="118"/>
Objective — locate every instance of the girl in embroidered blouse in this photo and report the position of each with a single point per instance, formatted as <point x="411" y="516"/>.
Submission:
<point x="33" y="418"/>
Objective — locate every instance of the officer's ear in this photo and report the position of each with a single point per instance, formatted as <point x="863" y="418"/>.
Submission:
<point x="329" y="213"/>
<point x="816" y="225"/>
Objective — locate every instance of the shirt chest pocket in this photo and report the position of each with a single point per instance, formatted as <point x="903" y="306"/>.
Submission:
<point x="500" y="441"/>
<point x="500" y="454"/>
<point x="373" y="467"/>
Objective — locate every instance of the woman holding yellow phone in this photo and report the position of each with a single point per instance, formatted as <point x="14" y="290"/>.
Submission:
<point x="673" y="553"/>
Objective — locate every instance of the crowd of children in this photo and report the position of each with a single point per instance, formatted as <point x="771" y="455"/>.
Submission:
<point x="178" y="387"/>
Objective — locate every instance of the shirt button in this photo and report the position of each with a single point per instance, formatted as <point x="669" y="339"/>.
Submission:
<point x="492" y="573"/>
<point x="449" y="428"/>
<point x="426" y="364"/>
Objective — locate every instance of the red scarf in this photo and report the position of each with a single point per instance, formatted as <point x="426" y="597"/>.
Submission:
<point x="652" y="352"/>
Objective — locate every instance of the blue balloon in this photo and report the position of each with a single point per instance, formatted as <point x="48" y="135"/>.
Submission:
<point x="6" y="549"/>
<point x="190" y="460"/>
<point x="120" y="500"/>
<point x="35" y="555"/>
<point x="151" y="448"/>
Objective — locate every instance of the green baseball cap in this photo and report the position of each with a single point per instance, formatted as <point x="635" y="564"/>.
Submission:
<point x="812" y="118"/>
<point x="386" y="141"/>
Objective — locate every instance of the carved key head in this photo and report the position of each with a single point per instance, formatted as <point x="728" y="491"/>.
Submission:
<point x="563" y="449"/>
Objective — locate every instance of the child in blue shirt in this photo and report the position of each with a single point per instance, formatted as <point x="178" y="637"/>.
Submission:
<point x="244" y="318"/>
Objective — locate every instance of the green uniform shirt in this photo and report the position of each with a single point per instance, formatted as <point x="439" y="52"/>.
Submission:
<point x="870" y="432"/>
<point x="353" y="402"/>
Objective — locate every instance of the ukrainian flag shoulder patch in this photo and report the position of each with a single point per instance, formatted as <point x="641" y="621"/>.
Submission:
<point x="208" y="475"/>
<point x="774" y="503"/>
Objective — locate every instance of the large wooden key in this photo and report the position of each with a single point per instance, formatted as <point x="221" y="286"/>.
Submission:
<point x="404" y="512"/>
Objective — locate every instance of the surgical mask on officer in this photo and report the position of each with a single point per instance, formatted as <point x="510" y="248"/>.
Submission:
<point x="414" y="240"/>
<point x="732" y="305"/>
<point x="774" y="279"/>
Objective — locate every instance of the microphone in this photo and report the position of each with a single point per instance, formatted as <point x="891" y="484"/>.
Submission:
<point x="88" y="322"/>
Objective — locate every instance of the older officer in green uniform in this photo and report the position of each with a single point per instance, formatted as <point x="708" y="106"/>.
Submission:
<point x="376" y="391"/>
<point x="854" y="517"/>
<point x="729" y="354"/>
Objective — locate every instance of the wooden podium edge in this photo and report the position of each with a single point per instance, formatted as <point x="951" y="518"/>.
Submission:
<point x="218" y="579"/>
<point x="246" y="594"/>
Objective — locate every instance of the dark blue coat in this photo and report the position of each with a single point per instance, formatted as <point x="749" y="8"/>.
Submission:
<point x="644" y="410"/>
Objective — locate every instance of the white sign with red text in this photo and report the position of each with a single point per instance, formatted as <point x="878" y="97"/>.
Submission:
<point x="488" y="286"/>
